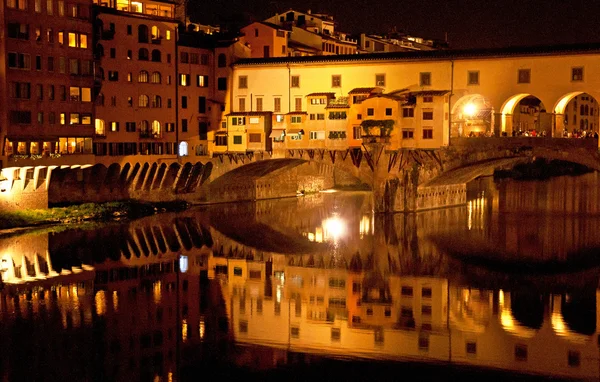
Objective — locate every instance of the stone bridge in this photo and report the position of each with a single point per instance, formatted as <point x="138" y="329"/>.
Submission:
<point x="402" y="180"/>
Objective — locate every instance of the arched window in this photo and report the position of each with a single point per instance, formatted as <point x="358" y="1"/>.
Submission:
<point x="155" y="33"/>
<point x="585" y="124"/>
<point x="156" y="129"/>
<point x="581" y="124"/>
<point x="142" y="33"/>
<point x="100" y="127"/>
<point x="143" y="76"/>
<point x="581" y="110"/>
<point x="155" y="79"/>
<point x="587" y="110"/>
<point x="143" y="101"/>
<point x="144" y="128"/>
<point x="99" y="50"/>
<point x="156" y="55"/>
<point x="143" y="54"/>
<point x="222" y="60"/>
<point x="156" y="101"/>
<point x="183" y="149"/>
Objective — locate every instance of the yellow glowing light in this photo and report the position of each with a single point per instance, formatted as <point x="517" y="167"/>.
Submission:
<point x="319" y="235"/>
<point x="470" y="109"/>
<point x="115" y="301"/>
<point x="156" y="292"/>
<point x="201" y="328"/>
<point x="311" y="236"/>
<point x="184" y="330"/>
<point x="334" y="228"/>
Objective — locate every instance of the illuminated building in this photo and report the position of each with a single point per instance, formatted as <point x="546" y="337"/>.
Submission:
<point x="46" y="82"/>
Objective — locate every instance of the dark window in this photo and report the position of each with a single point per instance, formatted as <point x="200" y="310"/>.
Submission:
<point x="201" y="104"/>
<point x="388" y="111"/>
<point x="295" y="81"/>
<point x="370" y="111"/>
<point x="222" y="60"/>
<point x="425" y="79"/>
<point x="426" y="292"/>
<point x="407" y="291"/>
<point x="427" y="134"/>
<point x="521" y="352"/>
<point x="336" y="81"/>
<point x="524" y="76"/>
<point x="184" y="125"/>
<point x="237" y="139"/>
<point x="222" y="83"/>
<point x="184" y="102"/>
<point x="473" y="78"/>
<point x="427" y="115"/>
<point x="471" y="347"/>
<point x="577" y="74"/>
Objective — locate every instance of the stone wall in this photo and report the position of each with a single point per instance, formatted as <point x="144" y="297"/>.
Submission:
<point x="441" y="196"/>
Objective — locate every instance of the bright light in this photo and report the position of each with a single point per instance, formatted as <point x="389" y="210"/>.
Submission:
<point x="470" y="109"/>
<point x="334" y="228"/>
<point x="183" y="263"/>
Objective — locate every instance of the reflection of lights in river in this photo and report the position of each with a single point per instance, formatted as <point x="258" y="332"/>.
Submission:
<point x="367" y="226"/>
<point x="476" y="209"/>
<point x="201" y="328"/>
<point x="334" y="228"/>
<point x="100" y="300"/>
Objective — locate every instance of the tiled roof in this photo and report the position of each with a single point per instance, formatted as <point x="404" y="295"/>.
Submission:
<point x="297" y="113"/>
<point x="321" y="94"/>
<point x="430" y="92"/>
<point x="432" y="55"/>
<point x="249" y="113"/>
<point x="364" y="90"/>
<point x="337" y="106"/>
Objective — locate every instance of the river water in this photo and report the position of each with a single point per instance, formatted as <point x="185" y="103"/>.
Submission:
<point x="506" y="287"/>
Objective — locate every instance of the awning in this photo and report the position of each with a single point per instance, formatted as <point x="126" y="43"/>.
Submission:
<point x="294" y="131"/>
<point x="220" y="133"/>
<point x="276" y="133"/>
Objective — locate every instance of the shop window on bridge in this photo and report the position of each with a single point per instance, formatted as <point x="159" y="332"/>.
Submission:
<point x="254" y="138"/>
<point x="339" y="114"/>
<point x="221" y="140"/>
<point x="237" y="139"/>
<point x="319" y="135"/>
<point x="296" y="119"/>
<point x="237" y="271"/>
<point x="337" y="135"/>
<point x="356" y="132"/>
<point x="238" y="121"/>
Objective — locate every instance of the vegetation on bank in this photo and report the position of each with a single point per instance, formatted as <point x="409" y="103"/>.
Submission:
<point x="541" y="169"/>
<point x="86" y="212"/>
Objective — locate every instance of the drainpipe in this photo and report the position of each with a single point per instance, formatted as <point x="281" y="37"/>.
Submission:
<point x="289" y="88"/>
<point x="177" y="92"/>
<point x="450" y="101"/>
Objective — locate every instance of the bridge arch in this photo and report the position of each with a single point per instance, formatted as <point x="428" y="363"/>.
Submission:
<point x="510" y="323"/>
<point x="472" y="115"/>
<point x="508" y="124"/>
<point x="575" y="112"/>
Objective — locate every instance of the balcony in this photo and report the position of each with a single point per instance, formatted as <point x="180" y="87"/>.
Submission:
<point x="150" y="134"/>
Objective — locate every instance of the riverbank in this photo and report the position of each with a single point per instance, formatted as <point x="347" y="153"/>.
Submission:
<point x="86" y="212"/>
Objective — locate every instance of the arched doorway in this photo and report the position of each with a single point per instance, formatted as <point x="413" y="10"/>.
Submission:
<point x="472" y="115"/>
<point x="577" y="115"/>
<point x="183" y="149"/>
<point x="525" y="115"/>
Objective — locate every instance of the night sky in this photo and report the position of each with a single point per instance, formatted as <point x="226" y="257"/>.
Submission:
<point x="468" y="23"/>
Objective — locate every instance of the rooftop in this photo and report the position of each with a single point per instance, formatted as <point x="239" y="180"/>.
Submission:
<point x="551" y="50"/>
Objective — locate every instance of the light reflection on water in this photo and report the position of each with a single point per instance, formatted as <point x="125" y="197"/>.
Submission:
<point x="345" y="282"/>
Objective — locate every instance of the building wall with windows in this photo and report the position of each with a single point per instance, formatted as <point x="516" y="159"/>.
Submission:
<point x="135" y="107"/>
<point x="47" y="81"/>
<point x="266" y="39"/>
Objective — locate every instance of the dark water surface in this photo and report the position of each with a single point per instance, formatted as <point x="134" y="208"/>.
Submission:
<point x="317" y="287"/>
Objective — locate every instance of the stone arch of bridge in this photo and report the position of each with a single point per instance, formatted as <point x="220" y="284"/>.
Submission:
<point x="349" y="167"/>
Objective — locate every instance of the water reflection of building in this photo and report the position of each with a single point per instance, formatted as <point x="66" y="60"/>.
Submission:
<point x="339" y="312"/>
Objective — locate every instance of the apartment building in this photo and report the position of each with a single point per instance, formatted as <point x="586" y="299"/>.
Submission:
<point x="136" y="103"/>
<point x="46" y="82"/>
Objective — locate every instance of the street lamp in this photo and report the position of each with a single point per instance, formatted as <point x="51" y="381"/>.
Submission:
<point x="470" y="109"/>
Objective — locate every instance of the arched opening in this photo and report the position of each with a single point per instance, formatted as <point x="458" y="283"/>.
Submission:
<point x="576" y="116"/>
<point x="525" y="115"/>
<point x="100" y="127"/>
<point x="142" y="33"/>
<point x="155" y="79"/>
<point x="183" y="149"/>
<point x="143" y="100"/>
<point x="155" y="33"/>
<point x="222" y="60"/>
<point x="156" y="131"/>
<point x="156" y="101"/>
<point x="144" y="129"/>
<point x="513" y="322"/>
<point x="143" y="54"/>
<point x="143" y="76"/>
<point x="472" y="115"/>
<point x="155" y="55"/>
